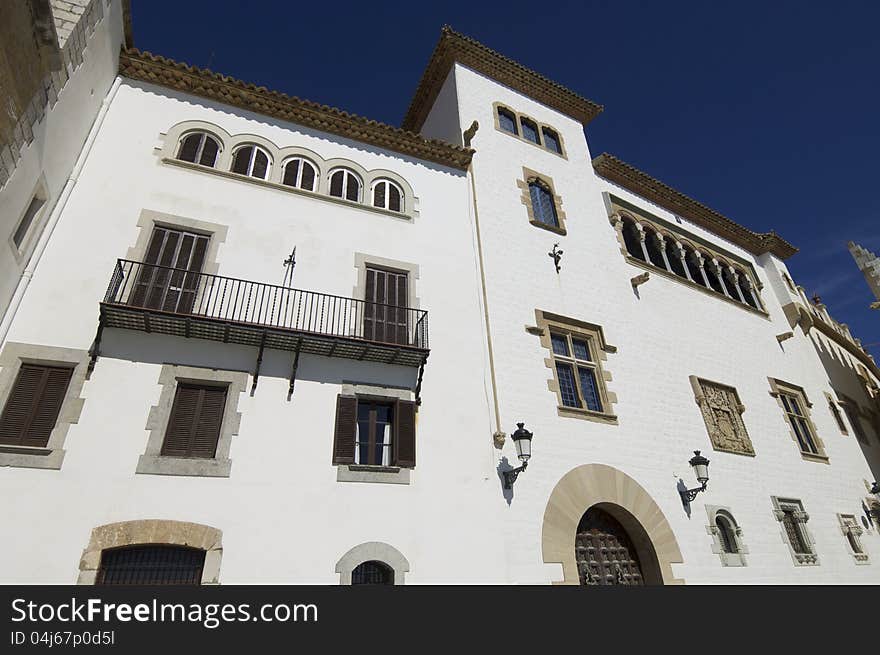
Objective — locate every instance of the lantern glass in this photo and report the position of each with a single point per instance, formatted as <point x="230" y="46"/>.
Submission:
<point x="522" y="439"/>
<point x="701" y="467"/>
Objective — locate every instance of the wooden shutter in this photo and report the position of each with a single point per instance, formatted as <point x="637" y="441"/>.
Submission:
<point x="195" y="421"/>
<point x="404" y="436"/>
<point x="33" y="406"/>
<point x="346" y="429"/>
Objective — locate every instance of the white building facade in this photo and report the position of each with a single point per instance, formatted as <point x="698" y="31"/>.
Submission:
<point x="184" y="394"/>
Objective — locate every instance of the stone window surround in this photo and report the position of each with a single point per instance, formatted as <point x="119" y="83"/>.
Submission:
<point x="700" y="399"/>
<point x="365" y="472"/>
<point x="362" y="260"/>
<point x="167" y="154"/>
<point x="526" y="198"/>
<point x="372" y="551"/>
<point x="518" y="116"/>
<point x="150" y="218"/>
<point x="849" y="524"/>
<point x="32" y="234"/>
<point x="153" y="462"/>
<point x="780" y="386"/>
<point x="152" y="531"/>
<point x="598" y="484"/>
<point x="682" y="240"/>
<point x="801" y="518"/>
<point x="547" y="321"/>
<point x="727" y="559"/>
<point x="12" y="357"/>
<point x="835" y="411"/>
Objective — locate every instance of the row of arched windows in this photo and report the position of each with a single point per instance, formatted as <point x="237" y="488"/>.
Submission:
<point x="646" y="243"/>
<point x="297" y="171"/>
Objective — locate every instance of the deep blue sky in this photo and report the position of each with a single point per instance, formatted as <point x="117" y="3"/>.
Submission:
<point x="764" y="111"/>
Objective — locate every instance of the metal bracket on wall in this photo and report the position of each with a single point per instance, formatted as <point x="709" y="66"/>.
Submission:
<point x="419" y="382"/>
<point x="293" y="371"/>
<point x="259" y="362"/>
<point x="95" y="350"/>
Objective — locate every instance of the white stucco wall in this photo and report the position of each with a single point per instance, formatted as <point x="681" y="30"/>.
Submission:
<point x="667" y="333"/>
<point x="284" y="516"/>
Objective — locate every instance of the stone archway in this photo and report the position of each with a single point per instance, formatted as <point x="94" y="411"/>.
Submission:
<point x="618" y="494"/>
<point x="153" y="531"/>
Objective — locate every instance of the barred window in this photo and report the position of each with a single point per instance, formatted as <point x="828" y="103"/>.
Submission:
<point x="551" y="140"/>
<point x="372" y="573"/>
<point x="726" y="534"/>
<point x="507" y="120"/>
<point x="529" y="130"/>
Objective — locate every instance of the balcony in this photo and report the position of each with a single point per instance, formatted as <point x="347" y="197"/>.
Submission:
<point x="183" y="303"/>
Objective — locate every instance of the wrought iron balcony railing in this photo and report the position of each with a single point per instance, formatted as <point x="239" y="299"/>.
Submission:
<point x="191" y="304"/>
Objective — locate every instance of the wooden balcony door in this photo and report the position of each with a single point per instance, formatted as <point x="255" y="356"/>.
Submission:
<point x="385" y="312"/>
<point x="159" y="287"/>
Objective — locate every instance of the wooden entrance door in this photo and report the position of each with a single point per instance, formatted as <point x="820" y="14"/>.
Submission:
<point x="168" y="279"/>
<point x="604" y="552"/>
<point x="385" y="312"/>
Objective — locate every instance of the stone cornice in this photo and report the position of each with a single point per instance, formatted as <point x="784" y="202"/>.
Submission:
<point x="155" y="69"/>
<point x="642" y="184"/>
<point x="454" y="47"/>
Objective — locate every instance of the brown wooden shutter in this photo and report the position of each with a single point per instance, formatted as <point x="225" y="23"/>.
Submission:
<point x="404" y="436"/>
<point x="195" y="421"/>
<point x="346" y="429"/>
<point x="33" y="406"/>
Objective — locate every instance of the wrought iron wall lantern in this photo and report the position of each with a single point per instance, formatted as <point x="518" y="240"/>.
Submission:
<point x="701" y="468"/>
<point x="522" y="439"/>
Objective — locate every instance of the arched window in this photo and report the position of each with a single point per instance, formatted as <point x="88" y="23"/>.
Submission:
<point x="693" y="264"/>
<point x="632" y="238"/>
<point x="507" y="120"/>
<point x="299" y="173"/>
<point x="726" y="534"/>
<point x="746" y="288"/>
<point x="712" y="274"/>
<point x="345" y="184"/>
<point x="199" y="148"/>
<point x="674" y="257"/>
<point x="551" y="140"/>
<point x="655" y="250"/>
<point x="387" y="195"/>
<point x="151" y="564"/>
<point x="729" y="281"/>
<point x="252" y="161"/>
<point x="543" y="207"/>
<point x="529" y="130"/>
<point x="372" y="573"/>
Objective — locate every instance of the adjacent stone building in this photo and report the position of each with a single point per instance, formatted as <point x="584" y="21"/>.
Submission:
<point x="869" y="265"/>
<point x="268" y="341"/>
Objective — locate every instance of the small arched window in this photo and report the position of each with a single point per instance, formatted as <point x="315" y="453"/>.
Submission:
<point x="507" y="120"/>
<point x="529" y="130"/>
<point x="387" y="195"/>
<point x="729" y="281"/>
<point x="551" y="140"/>
<point x="674" y="256"/>
<point x="299" y="173"/>
<point x="633" y="239"/>
<point x="655" y="250"/>
<point x="712" y="274"/>
<point x="345" y="184"/>
<point x="543" y="207"/>
<point x="199" y="148"/>
<point x="372" y="573"/>
<point x="746" y="288"/>
<point x="693" y="263"/>
<point x="726" y="534"/>
<point x="251" y="160"/>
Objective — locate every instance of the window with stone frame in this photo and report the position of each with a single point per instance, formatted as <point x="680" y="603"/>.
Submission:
<point x="543" y="205"/>
<point x="852" y="532"/>
<point x="793" y="529"/>
<point x="577" y="352"/>
<point x="722" y="412"/>
<point x="835" y="412"/>
<point x="853" y="413"/>
<point x="727" y="536"/>
<point x="796" y="408"/>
